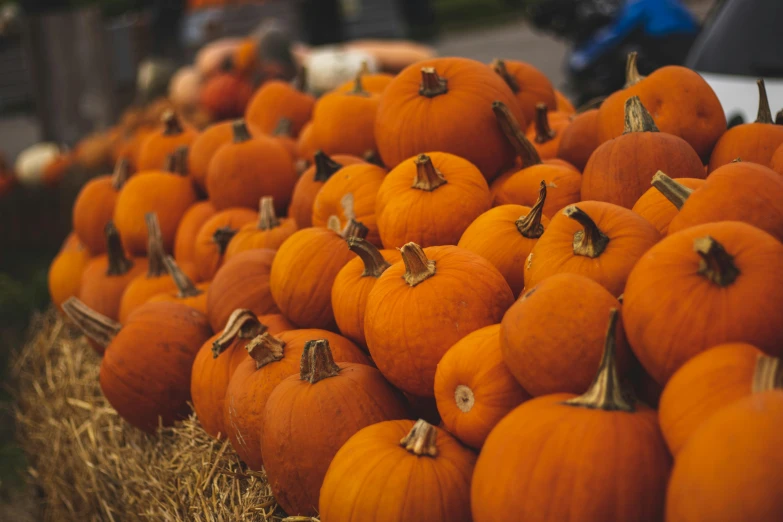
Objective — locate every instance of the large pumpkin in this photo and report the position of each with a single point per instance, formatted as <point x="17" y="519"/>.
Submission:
<point x="160" y="144"/>
<point x="268" y="231"/>
<point x="277" y="99"/>
<point x="580" y="139"/>
<point x="530" y="85"/>
<point x="213" y="238"/>
<point x="204" y="146"/>
<point x="656" y="208"/>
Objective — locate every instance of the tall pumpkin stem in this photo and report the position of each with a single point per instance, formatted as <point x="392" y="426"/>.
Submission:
<point x="417" y="267"/>
<point x="511" y="129"/>
<point x="544" y="132"/>
<point x="241" y="324"/>
<point x="317" y="362"/>
<point x="120" y="175"/>
<point x="185" y="286"/>
<point x="675" y="192"/>
<point x="768" y="375"/>
<point x="374" y="262"/>
<point x="779" y="117"/>
<point x="118" y="263"/>
<point x="607" y="392"/>
<point x="499" y="66"/>
<point x="283" y="128"/>
<point x="632" y="76"/>
<point x="590" y="242"/>
<point x="155" y="251"/>
<point x="94" y="325"/>
<point x="354" y="229"/>
<point x="421" y="440"/>
<point x="358" y="86"/>
<point x="241" y="134"/>
<point x="431" y="84"/>
<point x="637" y="119"/>
<point x="177" y="161"/>
<point x="171" y="124"/>
<point x="530" y="225"/>
<point x="325" y="166"/>
<point x="222" y="236"/>
<point x="371" y="156"/>
<point x="265" y="348"/>
<point x="267" y="219"/>
<point x="300" y="81"/>
<point x="765" y="114"/>
<point x="427" y="176"/>
<point x="716" y="264"/>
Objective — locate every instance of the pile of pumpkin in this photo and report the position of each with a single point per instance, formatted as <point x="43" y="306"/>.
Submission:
<point x="585" y="308"/>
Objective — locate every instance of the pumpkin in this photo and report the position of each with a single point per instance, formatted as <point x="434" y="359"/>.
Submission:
<point x="725" y="270"/>
<point x="305" y="147"/>
<point x="708" y="383"/>
<point x="505" y="235"/>
<point x="731" y="468"/>
<point x="56" y="170"/>
<point x="272" y="359"/>
<point x="657" y="209"/>
<point x="474" y="388"/>
<point x="546" y="129"/>
<point x="158" y="145"/>
<point x="738" y="191"/>
<point x="106" y="276"/>
<point x="550" y="348"/>
<point x="226" y="94"/>
<point x="186" y="293"/>
<point x="210" y="57"/>
<point x="31" y="162"/>
<point x="430" y="199"/>
<point x="245" y="58"/>
<point x="277" y="99"/>
<point x="374" y="83"/>
<point x="522" y="186"/>
<point x="145" y="371"/>
<point x="187" y="230"/>
<point x="418" y="106"/>
<point x="754" y="142"/>
<point x="579" y="139"/>
<point x="680" y="101"/>
<point x="130" y="146"/>
<point x="167" y="194"/>
<point x="776" y="163"/>
<point x="620" y="170"/>
<point x="285" y="136"/>
<point x="563" y="104"/>
<point x="530" y="85"/>
<point x="351" y="194"/>
<point x="416" y="463"/>
<point x="302" y="288"/>
<point x="353" y="284"/>
<point x="93" y="153"/>
<point x="94" y="207"/>
<point x="301" y="413"/>
<point x="65" y="273"/>
<point x="204" y="147"/>
<point x="596" y="457"/>
<point x="214" y="236"/>
<point x="599" y="240"/>
<point x="423" y="305"/>
<point x="267" y="232"/>
<point x="242" y="172"/>
<point x="184" y="88"/>
<point x="242" y="282"/>
<point x="310" y="182"/>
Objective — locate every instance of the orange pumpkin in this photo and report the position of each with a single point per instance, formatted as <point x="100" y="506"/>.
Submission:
<point x="65" y="273"/>
<point x="161" y="143"/>
<point x="226" y="94"/>
<point x="186" y="293"/>
<point x="530" y="85"/>
<point x="563" y="104"/>
<point x="54" y="171"/>
<point x="657" y="209"/>
<point x="278" y="99"/>
<point x="546" y="130"/>
<point x="267" y="232"/>
<point x="305" y="147"/>
<point x="776" y="163"/>
<point x="214" y="236"/>
<point x="579" y="139"/>
<point x="187" y="230"/>
<point x="204" y="146"/>
<point x="374" y="83"/>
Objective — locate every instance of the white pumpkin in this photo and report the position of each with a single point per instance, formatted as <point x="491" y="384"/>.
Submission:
<point x="184" y="88"/>
<point x="329" y="67"/>
<point x="32" y="161"/>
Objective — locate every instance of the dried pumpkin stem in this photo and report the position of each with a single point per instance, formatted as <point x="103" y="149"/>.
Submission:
<point x="283" y="128"/>
<point x="241" y="134"/>
<point x="764" y="114"/>
<point x="530" y="225"/>
<point x="317" y="362"/>
<point x="355" y="229"/>
<point x="371" y="156"/>
<point x="267" y="219"/>
<point x="333" y="224"/>
<point x="499" y="66"/>
<point x="417" y="267"/>
<point x="119" y="264"/>
<point x="177" y="161"/>
<point x="358" y="87"/>
<point x="632" y="76"/>
<point x="347" y="203"/>
<point x="241" y="324"/>
<point x="464" y="397"/>
<point x="716" y="264"/>
<point x="431" y="84"/>
<point x="768" y="375"/>
<point x="427" y="176"/>
<point x="325" y="166"/>
<point x="185" y="286"/>
<point x="544" y="132"/>
<point x="120" y="175"/>
<point x="511" y="129"/>
<point x="94" y="325"/>
<point x="374" y="262"/>
<point x="590" y="242"/>
<point x="300" y="82"/>
<point x="265" y="349"/>
<point x="607" y="392"/>
<point x="637" y="119"/>
<point x="222" y="236"/>
<point x="675" y="192"/>
<point x="779" y="117"/>
<point x="155" y="251"/>
<point x="421" y="440"/>
<point x="171" y="124"/>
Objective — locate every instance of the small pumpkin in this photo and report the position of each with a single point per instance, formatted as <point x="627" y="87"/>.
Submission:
<point x="579" y="139"/>
<point x="278" y="99"/>
<point x="657" y="209"/>
<point x="267" y="232"/>
<point x="423" y="305"/>
<point x="374" y="83"/>
<point x="302" y="412"/>
<point x="160" y="144"/>
<point x="184" y="88"/>
<point x="305" y="147"/>
<point x="546" y="129"/>
<point x="65" y="273"/>
<point x="214" y="236"/>
<point x="57" y="169"/>
<point x="186" y="293"/>
<point x="776" y="163"/>
<point x="563" y="104"/>
<point x="530" y="85"/>
<point x="204" y="146"/>
<point x="187" y="230"/>
<point x="30" y="163"/>
<point x="226" y="94"/>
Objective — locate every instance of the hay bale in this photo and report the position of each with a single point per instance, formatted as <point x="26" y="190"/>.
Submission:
<point x="90" y="465"/>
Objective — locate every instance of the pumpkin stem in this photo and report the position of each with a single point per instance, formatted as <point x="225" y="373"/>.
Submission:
<point x="155" y="250"/>
<point x="464" y="397"/>
<point x="118" y="263"/>
<point x="417" y="267"/>
<point x="632" y="76"/>
<point x="779" y="117"/>
<point x="185" y="286"/>
<point x="358" y="87"/>
<point x="431" y="84"/>
<point x="120" y="175"/>
<point x="354" y="229"/>
<point x="675" y="192"/>
<point x="171" y="124"/>
<point x="241" y="324"/>
<point x="347" y="203"/>
<point x="374" y="262"/>
<point x="421" y="439"/>
<point x="325" y="166"/>
<point x="371" y="156"/>
<point x="267" y="219"/>
<point x="97" y="327"/>
<point x="177" y="161"/>
<point x="283" y="128"/>
<point x="317" y="362"/>
<point x="765" y="114"/>
<point x="333" y="224"/>
<point x="265" y="348"/>
<point x="427" y="176"/>
<point x="544" y="132"/>
<point x="768" y="375"/>
<point x="590" y="242"/>
<point x="716" y="264"/>
<point x="607" y="392"/>
<point x="637" y="119"/>
<point x="510" y="127"/>
<point x="530" y="225"/>
<point x="222" y="236"/>
<point x="241" y="134"/>
<point x="499" y="66"/>
<point x="300" y="81"/>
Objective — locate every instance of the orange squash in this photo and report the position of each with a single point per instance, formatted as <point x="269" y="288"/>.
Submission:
<point x="776" y="163"/>
<point x="305" y="148"/>
<point x="187" y="230"/>
<point x="186" y="293"/>
<point x="226" y="94"/>
<point x="530" y="85"/>
<point x="65" y="274"/>
<point x="161" y="143"/>
<point x="546" y="130"/>
<point x="579" y="139"/>
<point x="563" y="104"/>
<point x="214" y="236"/>
<point x="374" y="83"/>
<point x="657" y="209"/>
<point x="278" y="99"/>
<point x="267" y="232"/>
<point x="204" y="146"/>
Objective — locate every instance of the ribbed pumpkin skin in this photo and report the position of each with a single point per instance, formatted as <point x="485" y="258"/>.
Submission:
<point x="704" y="385"/>
<point x="93" y="208"/>
<point x="278" y="99"/>
<point x="410" y="483"/>
<point x="204" y="147"/>
<point x="145" y="372"/>
<point x="374" y="83"/>
<point x="156" y="147"/>
<point x="207" y="255"/>
<point x="197" y="302"/>
<point x="534" y="88"/>
<point x="250" y="237"/>
<point x="140" y="290"/>
<point x="102" y="292"/>
<point x="65" y="274"/>
<point x="580" y="139"/>
<point x="185" y="239"/>
<point x="476" y="363"/>
<point x="521" y="187"/>
<point x="250" y="388"/>
<point x="343" y="123"/>
<point x="659" y="211"/>
<point x="753" y="142"/>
